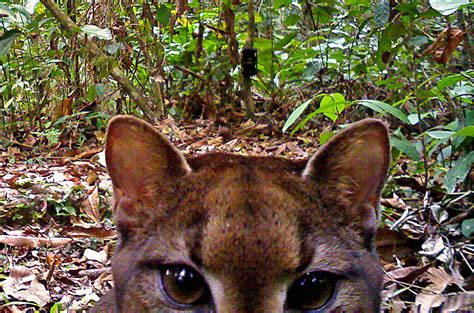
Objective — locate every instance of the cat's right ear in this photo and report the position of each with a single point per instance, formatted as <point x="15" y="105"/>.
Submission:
<point x="140" y="160"/>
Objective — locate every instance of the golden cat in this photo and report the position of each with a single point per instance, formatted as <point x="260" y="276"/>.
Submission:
<point x="237" y="234"/>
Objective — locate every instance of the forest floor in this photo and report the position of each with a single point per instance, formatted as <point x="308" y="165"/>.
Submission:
<point x="57" y="234"/>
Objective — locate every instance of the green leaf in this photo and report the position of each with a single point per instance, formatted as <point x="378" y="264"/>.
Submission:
<point x="7" y="39"/>
<point x="406" y="147"/>
<point x="292" y="19"/>
<point x="94" y="31"/>
<point x="382" y="12"/>
<point x="440" y="134"/>
<point x="382" y="107"/>
<point x="458" y="172"/>
<point x="277" y="4"/>
<point x="324" y="137"/>
<point x="449" y="81"/>
<point x="285" y="40"/>
<point x="65" y="210"/>
<point x="263" y="43"/>
<point x="332" y="105"/>
<point x="467" y="227"/>
<point x="466" y="131"/>
<point x="462" y="91"/>
<point x="446" y="7"/>
<point x="56" y="308"/>
<point x="163" y="15"/>
<point x="296" y="114"/>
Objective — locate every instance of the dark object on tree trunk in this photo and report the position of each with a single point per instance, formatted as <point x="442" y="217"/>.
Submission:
<point x="249" y="62"/>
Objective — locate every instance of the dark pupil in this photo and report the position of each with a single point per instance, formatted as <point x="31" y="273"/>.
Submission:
<point x="183" y="285"/>
<point x="311" y="291"/>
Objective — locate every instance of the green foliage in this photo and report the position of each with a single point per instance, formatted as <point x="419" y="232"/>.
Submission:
<point x="57" y="308"/>
<point x="65" y="205"/>
<point x="331" y="105"/>
<point x="447" y="7"/>
<point x="382" y="12"/>
<point x="467" y="227"/>
<point x="345" y="58"/>
<point x="6" y="41"/>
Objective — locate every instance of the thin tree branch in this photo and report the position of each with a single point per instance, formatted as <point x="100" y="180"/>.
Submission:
<point x="116" y="72"/>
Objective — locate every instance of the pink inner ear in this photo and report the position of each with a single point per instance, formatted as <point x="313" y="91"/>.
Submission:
<point x="139" y="158"/>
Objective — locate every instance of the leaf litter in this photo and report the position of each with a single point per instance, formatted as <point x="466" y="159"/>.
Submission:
<point x="57" y="235"/>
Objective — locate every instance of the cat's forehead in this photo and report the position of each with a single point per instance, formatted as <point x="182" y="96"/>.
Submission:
<point x="243" y="187"/>
<point x="253" y="212"/>
<point x="216" y="161"/>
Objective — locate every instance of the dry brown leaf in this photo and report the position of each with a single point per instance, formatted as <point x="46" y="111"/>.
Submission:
<point x="93" y="255"/>
<point x="442" y="49"/>
<point x="395" y="203"/>
<point x="30" y="140"/>
<point x="91" y="177"/>
<point x="293" y="146"/>
<point x="406" y="274"/>
<point x="434" y="247"/>
<point x="449" y="303"/>
<point x="88" y="232"/>
<point x="440" y="279"/>
<point x="22" y="284"/>
<point x="34" y="242"/>
<point x="88" y="153"/>
<point x="90" y="206"/>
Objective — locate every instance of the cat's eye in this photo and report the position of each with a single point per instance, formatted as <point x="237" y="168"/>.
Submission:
<point x="183" y="286"/>
<point x="311" y="291"/>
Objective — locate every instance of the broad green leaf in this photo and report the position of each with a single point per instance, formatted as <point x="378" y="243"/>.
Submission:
<point x="292" y="19"/>
<point x="383" y="108"/>
<point x="382" y="12"/>
<point x="458" y="171"/>
<point x="56" y="308"/>
<point x="324" y="137"/>
<point x="263" y="43"/>
<point x="405" y="147"/>
<point x="467" y="227"/>
<point x="285" y="40"/>
<point x="332" y="105"/>
<point x="6" y="41"/>
<point x="449" y="81"/>
<point x="296" y="114"/>
<point x="446" y="7"/>
<point x="277" y="4"/>
<point x="321" y="109"/>
<point x="6" y="12"/>
<point x="65" y="210"/>
<point x="94" y="31"/>
<point x="463" y="91"/>
<point x="440" y="134"/>
<point x="163" y="14"/>
<point x="413" y="118"/>
<point x="466" y="131"/>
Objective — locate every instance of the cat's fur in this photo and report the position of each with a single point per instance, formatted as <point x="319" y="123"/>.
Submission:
<point x="250" y="226"/>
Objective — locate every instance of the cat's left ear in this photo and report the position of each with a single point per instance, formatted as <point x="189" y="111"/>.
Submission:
<point x="350" y="170"/>
<point x="142" y="163"/>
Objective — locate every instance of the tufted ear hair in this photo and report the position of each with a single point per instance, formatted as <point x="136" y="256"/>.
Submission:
<point x="140" y="160"/>
<point x="350" y="170"/>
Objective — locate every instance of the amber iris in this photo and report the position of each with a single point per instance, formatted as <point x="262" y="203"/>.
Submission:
<point x="311" y="291"/>
<point x="184" y="285"/>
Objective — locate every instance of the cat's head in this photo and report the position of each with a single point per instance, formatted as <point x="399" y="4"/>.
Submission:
<point x="228" y="233"/>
